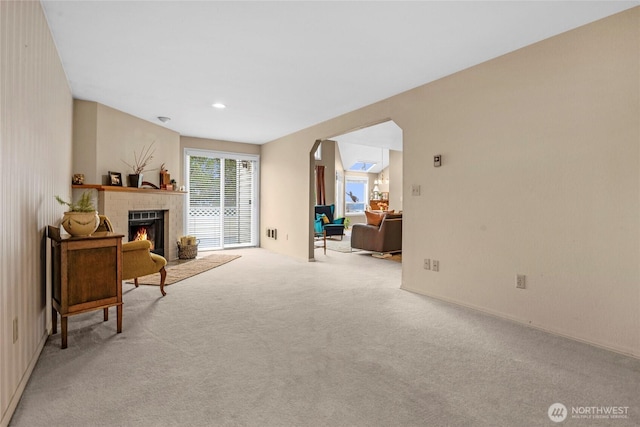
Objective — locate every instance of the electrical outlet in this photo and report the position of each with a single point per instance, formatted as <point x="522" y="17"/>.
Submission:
<point x="15" y="330"/>
<point x="435" y="265"/>
<point x="521" y="281"/>
<point x="415" y="190"/>
<point x="427" y="264"/>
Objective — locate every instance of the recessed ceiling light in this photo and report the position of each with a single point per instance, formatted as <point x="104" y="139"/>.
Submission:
<point x="164" y="119"/>
<point x="219" y="105"/>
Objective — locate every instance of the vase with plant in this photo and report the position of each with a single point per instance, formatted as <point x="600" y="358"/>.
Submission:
<point x="140" y="163"/>
<point x="82" y="218"/>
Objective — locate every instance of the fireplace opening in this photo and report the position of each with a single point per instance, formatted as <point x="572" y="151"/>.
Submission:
<point x="148" y="225"/>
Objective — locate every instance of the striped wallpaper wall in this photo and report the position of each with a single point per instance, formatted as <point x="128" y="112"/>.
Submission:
<point x="35" y="164"/>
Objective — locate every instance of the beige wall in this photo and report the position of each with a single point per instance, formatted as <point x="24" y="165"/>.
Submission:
<point x="395" y="180"/>
<point x="85" y="129"/>
<point x="540" y="176"/>
<point x="339" y="188"/>
<point x="213" y="145"/>
<point x="328" y="160"/>
<point x="105" y="138"/>
<point x="35" y="157"/>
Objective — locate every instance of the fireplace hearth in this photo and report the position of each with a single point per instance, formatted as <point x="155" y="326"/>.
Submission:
<point x="148" y="225"/>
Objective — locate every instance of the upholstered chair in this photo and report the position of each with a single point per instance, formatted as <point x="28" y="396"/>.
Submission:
<point x="137" y="258"/>
<point x="382" y="236"/>
<point x="325" y="221"/>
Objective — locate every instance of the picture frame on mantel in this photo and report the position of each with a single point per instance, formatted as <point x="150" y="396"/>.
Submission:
<point x="115" y="179"/>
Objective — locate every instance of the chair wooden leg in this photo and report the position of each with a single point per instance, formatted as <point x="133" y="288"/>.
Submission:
<point x="135" y="282"/>
<point x="54" y="320"/>
<point x="163" y="276"/>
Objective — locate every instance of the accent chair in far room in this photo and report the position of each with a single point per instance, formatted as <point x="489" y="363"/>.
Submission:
<point x="326" y="222"/>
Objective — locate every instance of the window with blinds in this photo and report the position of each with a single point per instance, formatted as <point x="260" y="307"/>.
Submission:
<point x="222" y="208"/>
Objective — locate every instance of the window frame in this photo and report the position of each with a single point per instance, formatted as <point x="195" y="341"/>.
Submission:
<point x="356" y="179"/>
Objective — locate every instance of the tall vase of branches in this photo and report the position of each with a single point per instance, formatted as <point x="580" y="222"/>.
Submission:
<point x="140" y="163"/>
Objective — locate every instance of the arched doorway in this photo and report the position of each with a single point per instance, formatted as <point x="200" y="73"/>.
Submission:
<point x="361" y="167"/>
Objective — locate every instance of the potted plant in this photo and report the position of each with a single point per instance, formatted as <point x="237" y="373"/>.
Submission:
<point x="347" y="222"/>
<point x="140" y="163"/>
<point x="82" y="218"/>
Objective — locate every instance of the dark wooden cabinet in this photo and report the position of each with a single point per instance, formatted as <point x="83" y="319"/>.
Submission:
<point x="86" y="276"/>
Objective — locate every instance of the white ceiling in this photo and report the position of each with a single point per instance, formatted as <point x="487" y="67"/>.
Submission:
<point x="283" y="66"/>
<point x="370" y="145"/>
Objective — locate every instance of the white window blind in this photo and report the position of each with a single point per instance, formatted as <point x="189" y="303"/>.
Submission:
<point x="222" y="208"/>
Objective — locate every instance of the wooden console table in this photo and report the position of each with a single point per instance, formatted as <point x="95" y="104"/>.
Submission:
<point x="86" y="276"/>
<point x="375" y="204"/>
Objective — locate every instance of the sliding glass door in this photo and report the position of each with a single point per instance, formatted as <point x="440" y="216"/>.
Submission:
<point x="223" y="198"/>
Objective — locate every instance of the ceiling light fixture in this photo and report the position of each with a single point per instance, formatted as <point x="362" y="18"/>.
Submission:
<point x="219" y="106"/>
<point x="164" y="119"/>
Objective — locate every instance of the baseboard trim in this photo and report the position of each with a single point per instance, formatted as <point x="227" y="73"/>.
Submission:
<point x="623" y="351"/>
<point x="15" y="399"/>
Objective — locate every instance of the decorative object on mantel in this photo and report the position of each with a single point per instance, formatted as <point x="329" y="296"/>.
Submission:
<point x="150" y="184"/>
<point x="82" y="218"/>
<point x="77" y="179"/>
<point x="140" y="163"/>
<point x="165" y="178"/>
<point x="134" y="180"/>
<point x="115" y="178"/>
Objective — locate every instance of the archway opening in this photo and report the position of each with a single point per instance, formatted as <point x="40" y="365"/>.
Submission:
<point x="362" y="171"/>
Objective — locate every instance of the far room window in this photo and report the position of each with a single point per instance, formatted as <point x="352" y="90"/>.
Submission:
<point x="356" y="190"/>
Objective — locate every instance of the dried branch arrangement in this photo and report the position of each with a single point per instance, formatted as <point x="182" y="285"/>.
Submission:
<point x="141" y="161"/>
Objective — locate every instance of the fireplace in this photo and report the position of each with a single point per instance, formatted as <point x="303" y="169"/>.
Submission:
<point x="148" y="225"/>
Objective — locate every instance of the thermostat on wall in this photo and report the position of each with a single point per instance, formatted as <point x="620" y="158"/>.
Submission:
<point x="437" y="160"/>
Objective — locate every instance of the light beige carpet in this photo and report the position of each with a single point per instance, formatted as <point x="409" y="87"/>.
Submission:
<point x="270" y="340"/>
<point x="343" y="245"/>
<point x="186" y="269"/>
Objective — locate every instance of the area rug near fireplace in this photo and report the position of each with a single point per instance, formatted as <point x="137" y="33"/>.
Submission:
<point x="186" y="269"/>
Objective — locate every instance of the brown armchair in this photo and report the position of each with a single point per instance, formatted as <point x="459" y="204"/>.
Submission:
<point x="384" y="238"/>
<point x="137" y="258"/>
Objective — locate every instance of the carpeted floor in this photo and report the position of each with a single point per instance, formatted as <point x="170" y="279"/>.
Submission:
<point x="268" y="340"/>
<point x="344" y="245"/>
